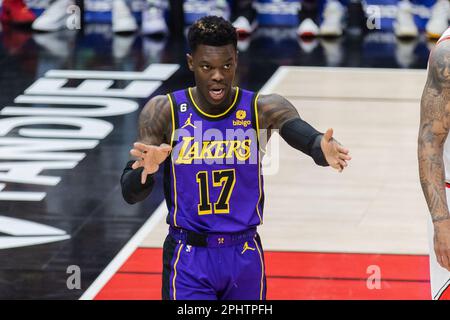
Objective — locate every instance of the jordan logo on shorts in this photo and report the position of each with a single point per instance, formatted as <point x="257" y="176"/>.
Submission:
<point x="247" y="247"/>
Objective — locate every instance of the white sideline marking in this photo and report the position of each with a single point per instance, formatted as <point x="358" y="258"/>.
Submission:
<point x="125" y="253"/>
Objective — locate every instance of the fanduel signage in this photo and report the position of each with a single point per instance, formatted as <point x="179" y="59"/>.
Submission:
<point x="24" y="157"/>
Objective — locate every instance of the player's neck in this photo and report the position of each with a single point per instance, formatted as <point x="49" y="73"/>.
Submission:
<point x="203" y="104"/>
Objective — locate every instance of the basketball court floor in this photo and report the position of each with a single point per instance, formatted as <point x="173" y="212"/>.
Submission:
<point x="67" y="123"/>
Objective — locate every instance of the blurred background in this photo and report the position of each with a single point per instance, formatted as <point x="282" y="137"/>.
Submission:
<point x="61" y="208"/>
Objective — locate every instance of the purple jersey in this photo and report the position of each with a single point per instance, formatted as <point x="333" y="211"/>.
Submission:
<point x="213" y="180"/>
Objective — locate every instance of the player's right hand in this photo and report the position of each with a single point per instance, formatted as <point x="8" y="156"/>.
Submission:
<point x="442" y="242"/>
<point x="149" y="157"/>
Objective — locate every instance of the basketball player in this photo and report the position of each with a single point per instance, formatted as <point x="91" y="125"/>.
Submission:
<point x="212" y="178"/>
<point x="434" y="163"/>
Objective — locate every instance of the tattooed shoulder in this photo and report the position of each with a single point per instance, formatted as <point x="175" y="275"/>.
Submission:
<point x="433" y="131"/>
<point x="155" y="121"/>
<point x="435" y="101"/>
<point x="275" y="110"/>
<point x="439" y="68"/>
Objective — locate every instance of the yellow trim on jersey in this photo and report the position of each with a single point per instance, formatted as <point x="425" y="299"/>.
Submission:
<point x="173" y="120"/>
<point x="256" y="115"/>
<point x="175" y="273"/>
<point x="262" y="269"/>
<point x="213" y="115"/>
<point x="206" y="186"/>
<point x="220" y="183"/>
<point x="172" y="110"/>
<point x="259" y="160"/>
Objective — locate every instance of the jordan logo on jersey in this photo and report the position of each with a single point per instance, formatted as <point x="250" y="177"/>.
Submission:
<point x="188" y="122"/>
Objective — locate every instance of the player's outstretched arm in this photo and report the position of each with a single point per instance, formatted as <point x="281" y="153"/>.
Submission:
<point x="150" y="150"/>
<point x="433" y="131"/>
<point x="276" y="112"/>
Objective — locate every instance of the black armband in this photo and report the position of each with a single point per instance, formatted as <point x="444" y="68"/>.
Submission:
<point x="302" y="136"/>
<point x="132" y="189"/>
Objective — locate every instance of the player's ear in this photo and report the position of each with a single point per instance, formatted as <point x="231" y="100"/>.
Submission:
<point x="190" y="61"/>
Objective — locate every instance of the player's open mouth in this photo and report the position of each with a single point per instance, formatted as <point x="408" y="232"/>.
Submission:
<point x="217" y="94"/>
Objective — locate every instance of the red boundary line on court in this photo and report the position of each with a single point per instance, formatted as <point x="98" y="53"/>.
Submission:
<point x="294" y="275"/>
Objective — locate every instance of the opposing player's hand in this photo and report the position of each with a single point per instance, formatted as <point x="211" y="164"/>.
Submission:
<point x="149" y="157"/>
<point x="442" y="242"/>
<point x="335" y="154"/>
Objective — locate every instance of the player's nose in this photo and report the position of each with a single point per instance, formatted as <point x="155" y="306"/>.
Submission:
<point x="217" y="76"/>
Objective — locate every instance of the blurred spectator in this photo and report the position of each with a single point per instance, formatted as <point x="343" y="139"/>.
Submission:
<point x="16" y="12"/>
<point x="55" y="17"/>
<point x="246" y="22"/>
<point x="405" y="27"/>
<point x="438" y="21"/>
<point x="332" y="23"/>
<point x="153" y="21"/>
<point x="122" y="19"/>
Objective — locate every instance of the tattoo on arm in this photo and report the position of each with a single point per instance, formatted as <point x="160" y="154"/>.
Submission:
<point x="433" y="131"/>
<point x="155" y="122"/>
<point x="274" y="111"/>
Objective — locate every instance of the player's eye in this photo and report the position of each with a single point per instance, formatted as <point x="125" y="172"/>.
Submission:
<point x="227" y="66"/>
<point x="205" y="67"/>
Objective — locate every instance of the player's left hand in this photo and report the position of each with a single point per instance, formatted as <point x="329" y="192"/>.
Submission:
<point x="335" y="154"/>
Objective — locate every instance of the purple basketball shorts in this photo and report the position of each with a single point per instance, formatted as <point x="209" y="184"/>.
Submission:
<point x="213" y="267"/>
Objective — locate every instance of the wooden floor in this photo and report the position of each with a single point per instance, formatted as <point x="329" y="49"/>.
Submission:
<point x="375" y="205"/>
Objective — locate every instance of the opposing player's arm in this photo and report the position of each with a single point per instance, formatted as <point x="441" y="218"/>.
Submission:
<point x="277" y="113"/>
<point x="150" y="149"/>
<point x="433" y="131"/>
